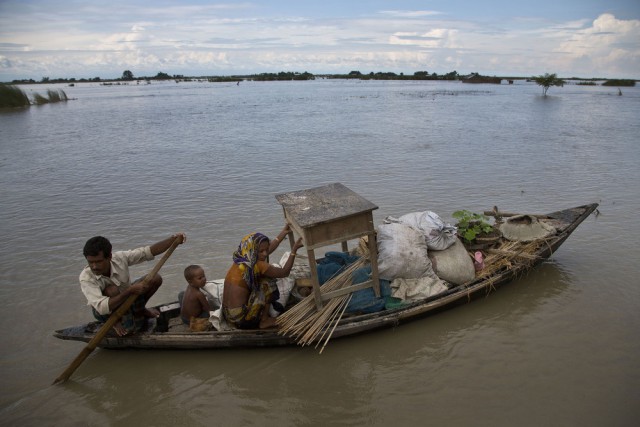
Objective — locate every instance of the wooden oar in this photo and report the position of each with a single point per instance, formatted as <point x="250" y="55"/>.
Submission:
<point x="113" y="319"/>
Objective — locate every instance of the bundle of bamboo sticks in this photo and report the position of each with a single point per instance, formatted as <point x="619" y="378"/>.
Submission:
<point x="309" y="325"/>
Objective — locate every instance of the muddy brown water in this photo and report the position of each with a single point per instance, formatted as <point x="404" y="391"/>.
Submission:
<point x="558" y="346"/>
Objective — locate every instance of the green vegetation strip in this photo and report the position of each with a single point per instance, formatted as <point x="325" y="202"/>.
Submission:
<point x="14" y="97"/>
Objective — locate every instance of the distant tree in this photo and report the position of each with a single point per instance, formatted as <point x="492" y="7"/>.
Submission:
<point x="127" y="75"/>
<point x="388" y="75"/>
<point x="619" y="82"/>
<point x="451" y="76"/>
<point x="547" y="81"/>
<point x="162" y="76"/>
<point x="304" y="76"/>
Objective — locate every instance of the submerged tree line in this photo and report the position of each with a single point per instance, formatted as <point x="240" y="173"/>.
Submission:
<point x="128" y="76"/>
<point x="12" y="96"/>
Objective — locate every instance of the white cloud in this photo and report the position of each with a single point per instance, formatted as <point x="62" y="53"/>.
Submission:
<point x="439" y="37"/>
<point x="229" y="39"/>
<point x="409" y="13"/>
<point x="608" y="44"/>
<point x="604" y="32"/>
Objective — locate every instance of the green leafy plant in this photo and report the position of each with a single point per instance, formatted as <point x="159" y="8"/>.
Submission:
<point x="471" y="224"/>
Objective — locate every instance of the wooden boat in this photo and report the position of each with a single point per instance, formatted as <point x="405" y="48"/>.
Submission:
<point x="503" y="265"/>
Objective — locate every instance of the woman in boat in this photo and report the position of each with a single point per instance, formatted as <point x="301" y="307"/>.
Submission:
<point x="249" y="286"/>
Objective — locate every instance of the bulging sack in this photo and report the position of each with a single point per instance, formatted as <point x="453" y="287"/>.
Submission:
<point x="439" y="236"/>
<point x="402" y="252"/>
<point x="453" y="264"/>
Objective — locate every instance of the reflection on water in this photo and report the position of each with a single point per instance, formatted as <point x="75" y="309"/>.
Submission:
<point x="139" y="163"/>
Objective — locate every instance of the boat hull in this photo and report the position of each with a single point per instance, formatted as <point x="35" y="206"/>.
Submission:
<point x="565" y="221"/>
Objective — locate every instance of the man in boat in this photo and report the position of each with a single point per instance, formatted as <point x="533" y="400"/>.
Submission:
<point x="106" y="282"/>
<point x="249" y="286"/>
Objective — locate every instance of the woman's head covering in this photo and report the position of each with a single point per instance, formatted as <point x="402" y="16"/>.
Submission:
<point x="247" y="256"/>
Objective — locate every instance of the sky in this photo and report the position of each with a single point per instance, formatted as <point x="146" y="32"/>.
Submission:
<point x="88" y="39"/>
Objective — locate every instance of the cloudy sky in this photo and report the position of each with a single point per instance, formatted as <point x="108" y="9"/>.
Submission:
<point x="86" y="39"/>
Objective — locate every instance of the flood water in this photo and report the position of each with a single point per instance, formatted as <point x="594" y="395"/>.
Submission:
<point x="136" y="163"/>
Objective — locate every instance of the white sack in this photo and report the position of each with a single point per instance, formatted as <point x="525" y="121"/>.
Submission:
<point x="417" y="289"/>
<point x="439" y="236"/>
<point x="218" y="321"/>
<point x="402" y="252"/>
<point x="285" y="284"/>
<point x="215" y="289"/>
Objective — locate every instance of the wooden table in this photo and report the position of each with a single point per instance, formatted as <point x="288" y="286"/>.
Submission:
<point x="327" y="215"/>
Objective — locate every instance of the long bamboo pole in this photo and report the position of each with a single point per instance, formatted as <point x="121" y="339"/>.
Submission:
<point x="346" y="303"/>
<point x="113" y="319"/>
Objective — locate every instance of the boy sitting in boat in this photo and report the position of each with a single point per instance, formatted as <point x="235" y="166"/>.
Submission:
<point x="195" y="307"/>
<point x="106" y="283"/>
<point x="249" y="288"/>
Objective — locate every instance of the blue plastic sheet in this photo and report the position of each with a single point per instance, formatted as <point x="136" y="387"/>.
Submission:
<point x="364" y="300"/>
